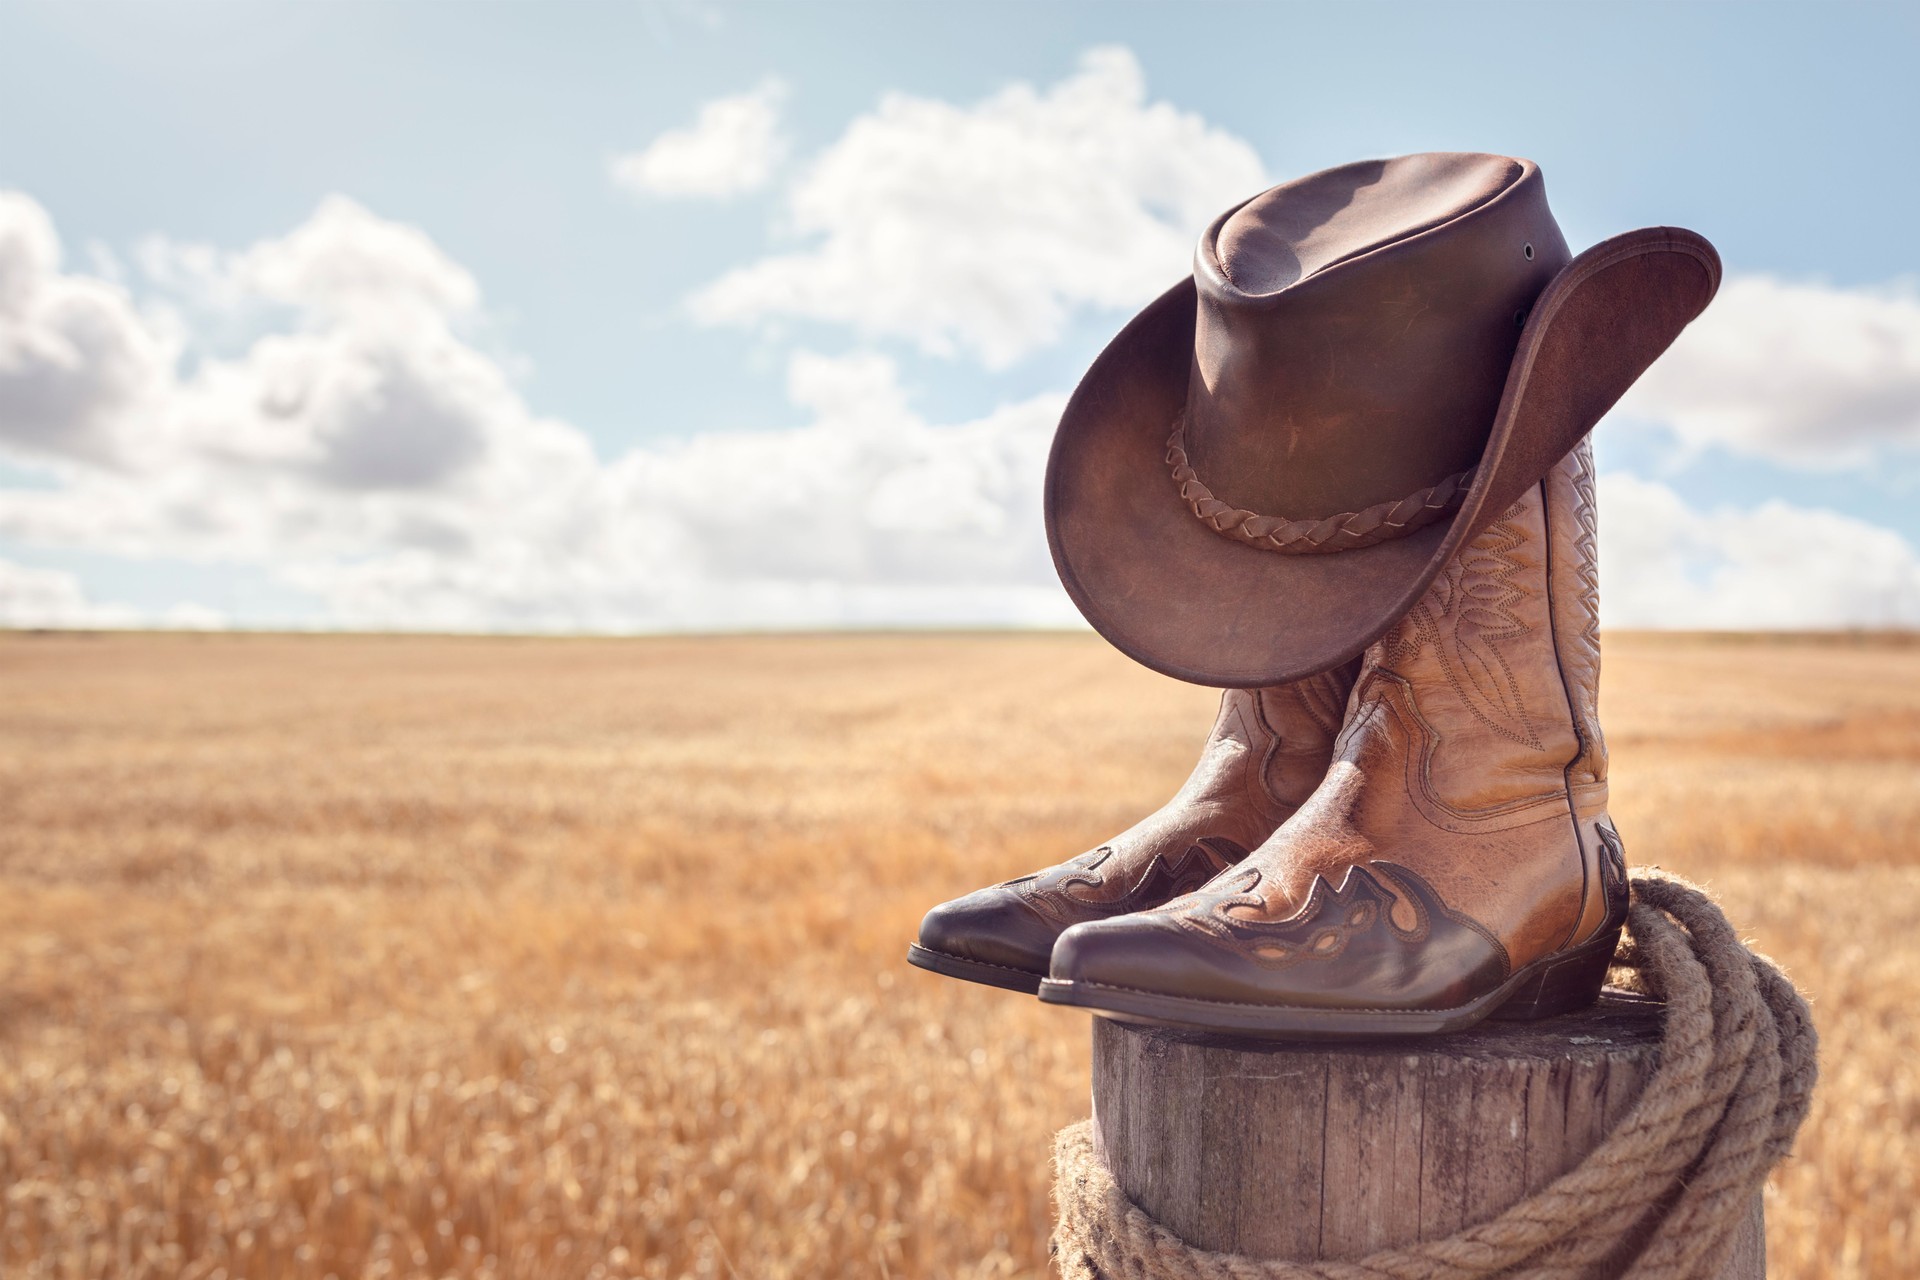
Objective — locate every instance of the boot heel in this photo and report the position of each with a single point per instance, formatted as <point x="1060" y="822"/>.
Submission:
<point x="1563" y="984"/>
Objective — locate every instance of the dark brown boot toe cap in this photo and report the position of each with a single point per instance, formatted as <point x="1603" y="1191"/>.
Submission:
<point x="1144" y="952"/>
<point x="1155" y="954"/>
<point x="992" y="926"/>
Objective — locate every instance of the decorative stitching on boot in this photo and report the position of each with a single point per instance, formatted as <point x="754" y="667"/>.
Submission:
<point x="1468" y="616"/>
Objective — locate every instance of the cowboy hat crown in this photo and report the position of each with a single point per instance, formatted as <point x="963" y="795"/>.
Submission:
<point x="1354" y="333"/>
<point x="1264" y="470"/>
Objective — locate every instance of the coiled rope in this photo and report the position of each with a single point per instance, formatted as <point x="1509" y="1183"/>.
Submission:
<point x="1734" y="1080"/>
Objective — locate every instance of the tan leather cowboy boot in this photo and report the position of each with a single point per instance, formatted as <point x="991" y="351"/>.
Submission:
<point x="1268" y="750"/>
<point x="1457" y="862"/>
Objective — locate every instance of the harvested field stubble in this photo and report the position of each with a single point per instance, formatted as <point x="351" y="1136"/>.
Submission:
<point x="394" y="957"/>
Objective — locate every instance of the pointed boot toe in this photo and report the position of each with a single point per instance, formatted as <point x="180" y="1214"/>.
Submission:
<point x="1337" y="968"/>
<point x="1128" y="952"/>
<point x="989" y="936"/>
<point x="1146" y="968"/>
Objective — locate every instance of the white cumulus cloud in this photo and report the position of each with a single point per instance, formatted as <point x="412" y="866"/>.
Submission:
<point x="369" y="387"/>
<point x="1665" y="563"/>
<point x="1803" y="374"/>
<point x="979" y="229"/>
<point x="343" y="263"/>
<point x="732" y="148"/>
<point x="362" y="450"/>
<point x="867" y="514"/>
<point x="80" y="370"/>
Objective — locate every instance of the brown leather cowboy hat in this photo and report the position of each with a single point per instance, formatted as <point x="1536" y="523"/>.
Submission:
<point x="1270" y="463"/>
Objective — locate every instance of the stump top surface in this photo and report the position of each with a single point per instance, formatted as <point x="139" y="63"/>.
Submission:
<point x="1316" y="1149"/>
<point x="1620" y="1023"/>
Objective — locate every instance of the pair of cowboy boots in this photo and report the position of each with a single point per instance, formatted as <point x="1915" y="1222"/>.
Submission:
<point x="1404" y="845"/>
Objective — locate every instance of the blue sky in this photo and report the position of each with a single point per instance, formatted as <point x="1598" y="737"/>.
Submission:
<point x="519" y="385"/>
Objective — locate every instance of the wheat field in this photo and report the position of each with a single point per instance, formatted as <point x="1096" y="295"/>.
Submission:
<point x="338" y="956"/>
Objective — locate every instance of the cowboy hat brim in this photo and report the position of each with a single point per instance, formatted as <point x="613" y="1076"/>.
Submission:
<point x="1168" y="591"/>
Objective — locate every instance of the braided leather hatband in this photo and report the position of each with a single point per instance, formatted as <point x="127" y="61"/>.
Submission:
<point x="1379" y="523"/>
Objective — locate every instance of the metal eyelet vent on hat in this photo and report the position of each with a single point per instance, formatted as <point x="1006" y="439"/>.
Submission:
<point x="1520" y="318"/>
<point x="1528" y="250"/>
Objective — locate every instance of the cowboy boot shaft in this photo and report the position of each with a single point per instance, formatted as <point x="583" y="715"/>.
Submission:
<point x="1267" y="751"/>
<point x="1233" y="792"/>
<point x="1573" y="574"/>
<point x="1574" y="594"/>
<point x="1304" y="719"/>
<point x="1474" y="666"/>
<point x="1476" y="721"/>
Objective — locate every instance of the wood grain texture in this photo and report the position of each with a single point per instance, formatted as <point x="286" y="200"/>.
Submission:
<point x="1318" y="1151"/>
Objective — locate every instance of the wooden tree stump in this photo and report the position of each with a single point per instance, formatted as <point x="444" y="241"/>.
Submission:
<point x="1314" y="1151"/>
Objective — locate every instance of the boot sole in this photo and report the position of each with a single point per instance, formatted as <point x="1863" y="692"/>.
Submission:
<point x="991" y="975"/>
<point x="1555" y="984"/>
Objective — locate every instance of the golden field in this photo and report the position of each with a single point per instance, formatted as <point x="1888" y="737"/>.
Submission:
<point x="525" y="958"/>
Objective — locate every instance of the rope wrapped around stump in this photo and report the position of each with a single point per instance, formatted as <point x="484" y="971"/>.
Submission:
<point x="1734" y="1080"/>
